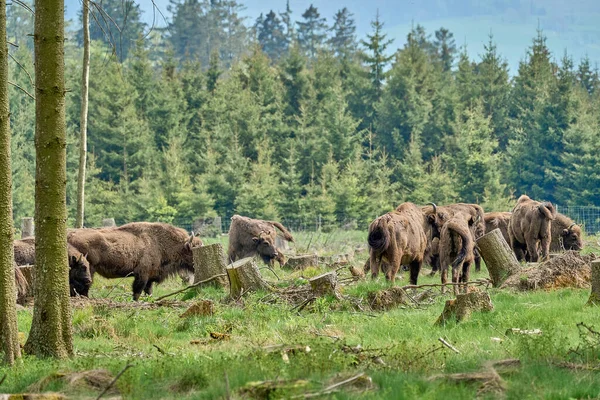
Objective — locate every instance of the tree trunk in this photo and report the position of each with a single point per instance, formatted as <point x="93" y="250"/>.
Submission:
<point x="27" y="229"/>
<point x="108" y="222"/>
<point x="209" y="261"/>
<point x="325" y="284"/>
<point x="85" y="84"/>
<point x="51" y="332"/>
<point x="595" y="295"/>
<point x="498" y="256"/>
<point x="244" y="276"/>
<point x="9" y="340"/>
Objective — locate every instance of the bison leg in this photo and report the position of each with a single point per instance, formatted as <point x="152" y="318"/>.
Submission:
<point x="395" y="265"/>
<point x="415" y="268"/>
<point x="435" y="264"/>
<point x="148" y="288"/>
<point x="545" y="247"/>
<point x="532" y="251"/>
<point x="465" y="275"/>
<point x="139" y="284"/>
<point x="519" y="249"/>
<point x="477" y="261"/>
<point x="374" y="265"/>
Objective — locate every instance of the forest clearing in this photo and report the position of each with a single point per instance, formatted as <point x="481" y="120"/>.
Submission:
<point x="263" y="345"/>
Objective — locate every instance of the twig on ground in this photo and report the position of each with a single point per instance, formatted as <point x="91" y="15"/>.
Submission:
<point x="191" y="286"/>
<point x="478" y="282"/>
<point x="3" y="379"/>
<point x="448" y="345"/>
<point x="118" y="283"/>
<point x="329" y="389"/>
<point x="302" y="305"/>
<point x="112" y="383"/>
<point x="161" y="351"/>
<point x="272" y="271"/>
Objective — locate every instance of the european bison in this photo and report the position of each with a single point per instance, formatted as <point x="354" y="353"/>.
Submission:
<point x="80" y="278"/>
<point x="495" y="220"/>
<point x="529" y="229"/>
<point x="248" y="237"/>
<point x="566" y="234"/>
<point x="148" y="251"/>
<point x="22" y="285"/>
<point x="399" y="237"/>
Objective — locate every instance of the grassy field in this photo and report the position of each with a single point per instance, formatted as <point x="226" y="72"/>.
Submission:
<point x="271" y="350"/>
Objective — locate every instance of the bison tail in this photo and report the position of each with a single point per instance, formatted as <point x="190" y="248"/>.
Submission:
<point x="286" y="234"/>
<point x="453" y="229"/>
<point x="379" y="235"/>
<point x="547" y="210"/>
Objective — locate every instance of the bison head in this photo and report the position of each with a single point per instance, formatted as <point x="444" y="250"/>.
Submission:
<point x="187" y="261"/>
<point x="266" y="248"/>
<point x="80" y="278"/>
<point x="571" y="238"/>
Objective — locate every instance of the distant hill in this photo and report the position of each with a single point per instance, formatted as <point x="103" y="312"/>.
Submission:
<point x="571" y="25"/>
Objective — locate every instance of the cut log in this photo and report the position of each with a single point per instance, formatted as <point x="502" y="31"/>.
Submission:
<point x="325" y="284"/>
<point x="383" y="300"/>
<point x="244" y="276"/>
<point x="199" y="309"/>
<point x="209" y="261"/>
<point x="27" y="229"/>
<point x="108" y="222"/>
<point x="302" y="261"/>
<point x="498" y="256"/>
<point x="595" y="295"/>
<point x="461" y="308"/>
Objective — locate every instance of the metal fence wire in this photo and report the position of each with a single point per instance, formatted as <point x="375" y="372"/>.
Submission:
<point x="586" y="216"/>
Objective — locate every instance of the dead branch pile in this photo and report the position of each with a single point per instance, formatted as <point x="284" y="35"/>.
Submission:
<point x="82" y="302"/>
<point x="569" y="269"/>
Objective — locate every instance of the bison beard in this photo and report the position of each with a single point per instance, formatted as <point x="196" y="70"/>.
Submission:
<point x="150" y="252"/>
<point x="530" y="228"/>
<point x="456" y="248"/>
<point x="399" y="237"/>
<point x="248" y="237"/>
<point x="80" y="278"/>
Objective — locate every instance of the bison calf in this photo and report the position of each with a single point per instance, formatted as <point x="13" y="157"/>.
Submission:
<point x="249" y="237"/>
<point x="150" y="252"/>
<point x="399" y="237"/>
<point x="529" y="229"/>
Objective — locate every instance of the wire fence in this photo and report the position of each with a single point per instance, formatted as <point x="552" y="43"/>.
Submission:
<point x="586" y="216"/>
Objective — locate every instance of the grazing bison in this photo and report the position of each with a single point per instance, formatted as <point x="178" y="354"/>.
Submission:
<point x="566" y="234"/>
<point x="529" y="229"/>
<point x="148" y="251"/>
<point x="248" y="237"/>
<point x="80" y="278"/>
<point x="399" y="237"/>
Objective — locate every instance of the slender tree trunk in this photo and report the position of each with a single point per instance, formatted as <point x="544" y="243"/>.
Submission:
<point x="85" y="83"/>
<point x="51" y="333"/>
<point x="9" y="341"/>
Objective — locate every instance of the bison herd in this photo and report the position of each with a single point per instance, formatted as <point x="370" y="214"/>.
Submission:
<point x="442" y="236"/>
<point x="446" y="236"/>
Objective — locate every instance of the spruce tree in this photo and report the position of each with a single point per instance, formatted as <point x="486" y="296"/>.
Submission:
<point x="312" y="31"/>
<point x="586" y="76"/>
<point x="295" y="81"/>
<point x="445" y="48"/>
<point x="376" y="59"/>
<point x="271" y="36"/>
<point x="343" y="38"/>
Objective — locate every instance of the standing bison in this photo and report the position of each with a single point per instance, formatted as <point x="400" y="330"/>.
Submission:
<point x="566" y="234"/>
<point x="530" y="227"/>
<point x="148" y="251"/>
<point x="399" y="237"/>
<point x="80" y="278"/>
<point x="498" y="220"/>
<point x="248" y="237"/>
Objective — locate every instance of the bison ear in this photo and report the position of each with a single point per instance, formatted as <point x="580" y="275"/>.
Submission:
<point x="431" y="218"/>
<point x="255" y="239"/>
<point x="73" y="260"/>
<point x="565" y="232"/>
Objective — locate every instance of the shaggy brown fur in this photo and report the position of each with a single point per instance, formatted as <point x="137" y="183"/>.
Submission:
<point x="399" y="237"/>
<point x="248" y="237"/>
<point x="148" y="251"/>
<point x="498" y="220"/>
<point x="80" y="278"/>
<point x="457" y="246"/>
<point x="530" y="227"/>
<point x="22" y="285"/>
<point x="566" y="234"/>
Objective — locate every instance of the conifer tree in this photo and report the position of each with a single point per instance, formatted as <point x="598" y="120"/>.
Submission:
<point x="376" y="45"/>
<point x="586" y="76"/>
<point x="295" y="81"/>
<point x="271" y="36"/>
<point x="343" y="38"/>
<point x="445" y="48"/>
<point x="312" y="31"/>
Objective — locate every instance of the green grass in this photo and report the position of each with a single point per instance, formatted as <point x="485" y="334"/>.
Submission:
<point x="403" y="338"/>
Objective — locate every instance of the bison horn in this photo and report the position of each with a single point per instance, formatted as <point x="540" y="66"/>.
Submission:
<point x="434" y="207"/>
<point x="570" y="226"/>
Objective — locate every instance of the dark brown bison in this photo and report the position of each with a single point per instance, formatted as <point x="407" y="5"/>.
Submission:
<point x="399" y="237"/>
<point x="494" y="220"/>
<point x="148" y="251"/>
<point x="457" y="247"/>
<point x="248" y="237"/>
<point x="433" y="256"/>
<point x="530" y="229"/>
<point x="80" y="278"/>
<point x="566" y="234"/>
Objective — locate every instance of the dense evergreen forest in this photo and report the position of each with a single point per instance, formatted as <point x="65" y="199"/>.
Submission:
<point x="293" y="117"/>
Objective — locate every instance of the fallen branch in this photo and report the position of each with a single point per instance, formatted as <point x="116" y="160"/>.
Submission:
<point x="478" y="282"/>
<point x="3" y="379"/>
<point x="191" y="286"/>
<point x="330" y="389"/>
<point x="448" y="345"/>
<point x="112" y="383"/>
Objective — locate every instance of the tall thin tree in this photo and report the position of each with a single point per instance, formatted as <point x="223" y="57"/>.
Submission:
<point x="85" y="85"/>
<point x="9" y="342"/>
<point x="51" y="333"/>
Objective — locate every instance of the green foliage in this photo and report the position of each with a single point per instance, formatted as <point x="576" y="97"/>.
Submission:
<point x="312" y="31"/>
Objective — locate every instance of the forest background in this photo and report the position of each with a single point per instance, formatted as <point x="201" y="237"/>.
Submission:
<point x="294" y="117"/>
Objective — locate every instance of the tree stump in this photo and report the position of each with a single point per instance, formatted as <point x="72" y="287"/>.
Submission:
<point x="498" y="256"/>
<point x="325" y="284"/>
<point x="461" y="308"/>
<point x="108" y="222"/>
<point x="27" y="229"/>
<point x="199" y="309"/>
<point x="244" y="276"/>
<point x="595" y="295"/>
<point x="209" y="261"/>
<point x="302" y="261"/>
